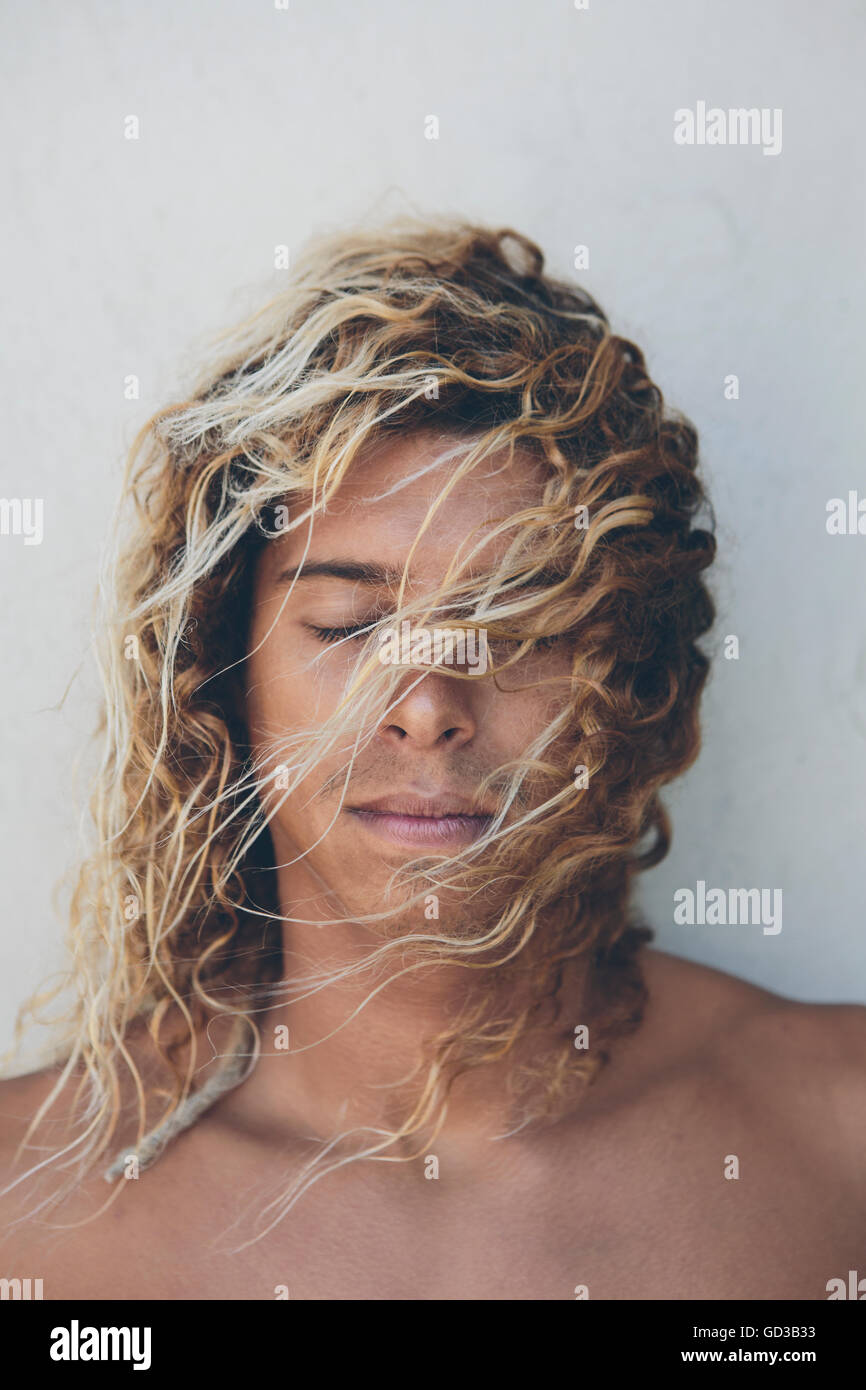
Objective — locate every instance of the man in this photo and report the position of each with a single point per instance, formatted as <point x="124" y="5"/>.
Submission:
<point x="363" y="1012"/>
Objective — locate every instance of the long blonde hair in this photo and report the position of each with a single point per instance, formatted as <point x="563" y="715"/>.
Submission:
<point x="417" y="324"/>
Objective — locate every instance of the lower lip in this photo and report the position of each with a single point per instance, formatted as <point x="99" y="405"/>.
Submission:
<point x="423" y="830"/>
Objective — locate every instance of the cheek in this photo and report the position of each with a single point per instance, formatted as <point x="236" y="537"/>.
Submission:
<point x="535" y="690"/>
<point x="274" y="693"/>
<point x="534" y="709"/>
<point x="286" y="695"/>
<point x="281" y="685"/>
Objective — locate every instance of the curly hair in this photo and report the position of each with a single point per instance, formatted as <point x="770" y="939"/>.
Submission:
<point x="414" y="325"/>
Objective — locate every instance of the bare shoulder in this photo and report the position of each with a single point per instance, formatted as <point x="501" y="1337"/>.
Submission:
<point x="800" y="1066"/>
<point x="21" y="1100"/>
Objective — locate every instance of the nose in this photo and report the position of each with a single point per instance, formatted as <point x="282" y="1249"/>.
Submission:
<point x="436" y="713"/>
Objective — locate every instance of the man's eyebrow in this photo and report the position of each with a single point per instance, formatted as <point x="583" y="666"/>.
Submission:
<point x="358" y="571"/>
<point x="382" y="576"/>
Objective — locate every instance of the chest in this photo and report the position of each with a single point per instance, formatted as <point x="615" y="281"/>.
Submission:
<point x="659" y="1240"/>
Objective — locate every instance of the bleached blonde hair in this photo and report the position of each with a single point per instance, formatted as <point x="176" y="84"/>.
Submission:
<point x="417" y="324"/>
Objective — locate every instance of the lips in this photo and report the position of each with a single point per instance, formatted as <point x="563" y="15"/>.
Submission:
<point x="412" y="820"/>
<point x="441" y="805"/>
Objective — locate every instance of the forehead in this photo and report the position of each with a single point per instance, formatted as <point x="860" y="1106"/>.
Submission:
<point x="389" y="491"/>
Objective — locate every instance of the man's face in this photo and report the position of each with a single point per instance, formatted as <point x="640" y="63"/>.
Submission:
<point x="413" y="789"/>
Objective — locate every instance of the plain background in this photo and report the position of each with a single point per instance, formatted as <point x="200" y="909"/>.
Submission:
<point x="260" y="127"/>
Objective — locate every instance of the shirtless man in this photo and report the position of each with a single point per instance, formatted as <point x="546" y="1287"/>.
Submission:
<point x="717" y="1155"/>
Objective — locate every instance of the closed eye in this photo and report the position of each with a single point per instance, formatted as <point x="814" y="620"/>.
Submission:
<point x="340" y="634"/>
<point x="337" y="634"/>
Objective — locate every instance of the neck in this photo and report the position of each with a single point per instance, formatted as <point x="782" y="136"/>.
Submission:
<point x="355" y="1052"/>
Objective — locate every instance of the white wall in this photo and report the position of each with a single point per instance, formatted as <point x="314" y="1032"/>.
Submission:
<point x="261" y="126"/>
